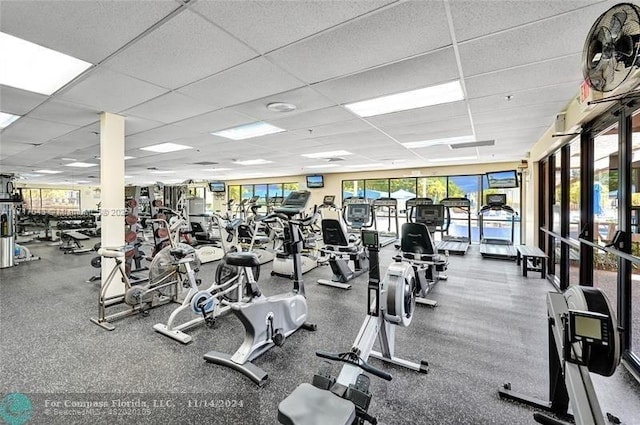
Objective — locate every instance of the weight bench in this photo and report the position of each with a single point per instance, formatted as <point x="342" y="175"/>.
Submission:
<point x="533" y="259"/>
<point x="71" y="242"/>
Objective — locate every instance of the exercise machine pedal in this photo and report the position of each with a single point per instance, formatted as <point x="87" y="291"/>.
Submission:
<point x="323" y="379"/>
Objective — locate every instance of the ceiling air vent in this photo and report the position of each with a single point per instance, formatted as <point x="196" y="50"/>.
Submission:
<point x="473" y="144"/>
<point x="205" y="163"/>
<point x="334" y="159"/>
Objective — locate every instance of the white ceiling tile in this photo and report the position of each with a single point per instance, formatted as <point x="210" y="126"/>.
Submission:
<point x="560" y="36"/>
<point x="421" y="115"/>
<point x="266" y="25"/>
<point x="305" y="99"/>
<point x="157" y="135"/>
<point x="523" y="116"/>
<point x="549" y="73"/>
<point x="519" y="99"/>
<point x="18" y="102"/>
<point x="133" y="125"/>
<point x="426" y="132"/>
<point x="500" y="15"/>
<point x="109" y="91"/>
<point x="423" y="71"/>
<point x="170" y="107"/>
<point x="88" y="30"/>
<point x="311" y="119"/>
<point x="32" y="130"/>
<point x="383" y="37"/>
<point x="216" y="120"/>
<point x="251" y="80"/>
<point x="66" y="113"/>
<point x="184" y="49"/>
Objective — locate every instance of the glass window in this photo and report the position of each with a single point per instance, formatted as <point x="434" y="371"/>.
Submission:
<point x="261" y="191"/>
<point x="464" y="187"/>
<point x="574" y="189"/>
<point x="605" y="210"/>
<point x="275" y="189"/>
<point x="557" y="212"/>
<point x="375" y="189"/>
<point x="290" y="187"/>
<point x="502" y="220"/>
<point x="32" y="199"/>
<point x="432" y="187"/>
<point x="402" y="189"/>
<point x="246" y="191"/>
<point x="233" y="192"/>
<point x="352" y="188"/>
<point x="574" y="266"/>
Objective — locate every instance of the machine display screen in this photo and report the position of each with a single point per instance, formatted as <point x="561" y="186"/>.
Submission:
<point x="433" y="214"/>
<point x="216" y="186"/>
<point x="329" y="199"/>
<point x="358" y="211"/>
<point x="588" y="327"/>
<point x="370" y="238"/>
<point x="496" y="199"/>
<point x="502" y="179"/>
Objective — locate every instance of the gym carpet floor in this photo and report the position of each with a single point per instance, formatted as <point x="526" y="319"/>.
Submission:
<point x="489" y="328"/>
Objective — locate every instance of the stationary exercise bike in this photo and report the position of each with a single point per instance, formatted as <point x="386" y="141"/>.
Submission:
<point x="165" y="284"/>
<point x="345" y="400"/>
<point x="583" y="338"/>
<point x="267" y="321"/>
<point x="205" y="305"/>
<point x="342" y="248"/>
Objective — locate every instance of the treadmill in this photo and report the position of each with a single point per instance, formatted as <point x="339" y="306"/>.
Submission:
<point x="388" y="236"/>
<point x="457" y="245"/>
<point x="494" y="247"/>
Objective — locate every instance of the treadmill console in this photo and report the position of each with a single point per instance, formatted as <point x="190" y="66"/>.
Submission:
<point x="414" y="202"/>
<point x="295" y="203"/>
<point x="329" y="200"/>
<point x="358" y="213"/>
<point x="430" y="215"/>
<point x="496" y="199"/>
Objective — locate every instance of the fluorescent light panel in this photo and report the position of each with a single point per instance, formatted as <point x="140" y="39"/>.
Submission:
<point x="433" y="142"/>
<point x="81" y="164"/>
<point x="329" y="154"/>
<point x="455" y="158"/>
<point x="162" y="172"/>
<point x="216" y="169"/>
<point x="166" y="147"/>
<point x="48" y="171"/>
<point x="248" y="131"/>
<point x="7" y="119"/>
<point x="428" y="96"/>
<point x="31" y="67"/>
<point x="253" y="162"/>
<point x="377" y="164"/>
<point x="322" y="166"/>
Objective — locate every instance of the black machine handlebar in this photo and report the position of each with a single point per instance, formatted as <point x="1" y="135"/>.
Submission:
<point x="352" y="358"/>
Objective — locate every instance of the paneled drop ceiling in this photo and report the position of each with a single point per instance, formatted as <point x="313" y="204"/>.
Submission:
<point x="180" y="70"/>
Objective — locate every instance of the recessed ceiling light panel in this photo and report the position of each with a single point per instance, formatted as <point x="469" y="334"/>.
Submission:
<point x="323" y="166"/>
<point x="166" y="147"/>
<point x="428" y="96"/>
<point x="254" y="162"/>
<point x="329" y="154"/>
<point x="452" y="159"/>
<point x="248" y="131"/>
<point x="81" y="164"/>
<point x="31" y="67"/>
<point x="433" y="142"/>
<point x="7" y="119"/>
<point x="48" y="171"/>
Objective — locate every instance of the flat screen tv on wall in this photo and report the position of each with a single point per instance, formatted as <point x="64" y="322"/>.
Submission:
<point x="502" y="179"/>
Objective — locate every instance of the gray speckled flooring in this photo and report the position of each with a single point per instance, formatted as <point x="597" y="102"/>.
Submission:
<point x="490" y="328"/>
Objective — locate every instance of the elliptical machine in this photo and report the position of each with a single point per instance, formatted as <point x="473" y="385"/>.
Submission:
<point x="583" y="338"/>
<point x="345" y="400"/>
<point x="267" y="321"/>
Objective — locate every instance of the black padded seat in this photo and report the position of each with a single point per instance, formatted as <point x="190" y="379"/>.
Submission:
<point x="308" y="405"/>
<point x="242" y="259"/>
<point x="181" y="252"/>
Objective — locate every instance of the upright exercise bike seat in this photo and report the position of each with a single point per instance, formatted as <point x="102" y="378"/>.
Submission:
<point x="309" y="405"/>
<point x="242" y="259"/>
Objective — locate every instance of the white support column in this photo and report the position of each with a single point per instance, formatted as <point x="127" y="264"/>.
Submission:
<point x="112" y="192"/>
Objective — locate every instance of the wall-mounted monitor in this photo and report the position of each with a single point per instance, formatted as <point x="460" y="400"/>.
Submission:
<point x="315" y="182"/>
<point x="502" y="179"/>
<point x="217" y="187"/>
